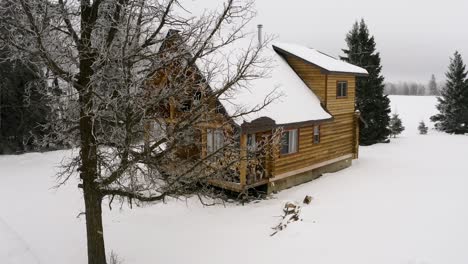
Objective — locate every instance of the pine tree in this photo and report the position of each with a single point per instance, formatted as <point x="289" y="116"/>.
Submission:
<point x="433" y="90"/>
<point x="413" y="89"/>
<point x="370" y="99"/>
<point x="406" y="89"/>
<point x="453" y="102"/>
<point x="23" y="110"/>
<point x="421" y="89"/>
<point x="396" y="126"/>
<point x="422" y="128"/>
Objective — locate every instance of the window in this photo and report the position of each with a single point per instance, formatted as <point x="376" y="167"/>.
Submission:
<point x="197" y="98"/>
<point x="187" y="137"/>
<point x="251" y="146"/>
<point x="187" y="105"/>
<point x="251" y="143"/>
<point x="342" y="89"/>
<point x="214" y="140"/>
<point x="316" y="134"/>
<point x="289" y="142"/>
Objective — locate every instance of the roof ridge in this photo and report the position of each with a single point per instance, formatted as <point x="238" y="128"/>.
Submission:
<point x="320" y="59"/>
<point x="326" y="54"/>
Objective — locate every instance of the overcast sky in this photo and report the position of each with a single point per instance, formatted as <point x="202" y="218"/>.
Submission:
<point x="415" y="37"/>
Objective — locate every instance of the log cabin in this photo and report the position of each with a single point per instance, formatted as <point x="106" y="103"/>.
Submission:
<point x="315" y="112"/>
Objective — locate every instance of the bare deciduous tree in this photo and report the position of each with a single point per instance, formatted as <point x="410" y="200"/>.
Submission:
<point x="105" y="55"/>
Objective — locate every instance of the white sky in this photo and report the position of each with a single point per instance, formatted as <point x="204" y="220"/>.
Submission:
<point x="415" y="37"/>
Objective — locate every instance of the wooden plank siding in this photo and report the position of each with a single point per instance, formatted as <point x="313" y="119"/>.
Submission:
<point x="345" y="105"/>
<point x="312" y="76"/>
<point x="338" y="137"/>
<point x="336" y="140"/>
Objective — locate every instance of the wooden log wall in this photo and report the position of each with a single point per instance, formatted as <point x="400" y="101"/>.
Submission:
<point x="338" y="137"/>
<point x="310" y="75"/>
<point x="337" y="106"/>
<point x="336" y="140"/>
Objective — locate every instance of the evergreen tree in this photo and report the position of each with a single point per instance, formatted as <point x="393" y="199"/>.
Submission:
<point x="406" y="89"/>
<point x="433" y="90"/>
<point x="422" y="128"/>
<point x="413" y="89"/>
<point x="453" y="102"/>
<point x="421" y="89"/>
<point x="22" y="108"/>
<point x="370" y="99"/>
<point x="396" y="126"/>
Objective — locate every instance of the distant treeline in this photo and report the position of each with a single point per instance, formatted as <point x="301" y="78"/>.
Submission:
<point x="413" y="88"/>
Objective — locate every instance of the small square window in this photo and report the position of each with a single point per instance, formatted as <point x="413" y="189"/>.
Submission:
<point x="342" y="89"/>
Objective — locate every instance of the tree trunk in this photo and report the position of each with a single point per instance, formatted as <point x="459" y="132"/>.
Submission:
<point x="91" y="193"/>
<point x="95" y="235"/>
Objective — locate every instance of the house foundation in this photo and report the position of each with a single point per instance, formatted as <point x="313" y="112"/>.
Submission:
<point x="276" y="185"/>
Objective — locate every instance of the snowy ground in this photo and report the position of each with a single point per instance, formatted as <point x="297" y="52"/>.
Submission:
<point x="404" y="202"/>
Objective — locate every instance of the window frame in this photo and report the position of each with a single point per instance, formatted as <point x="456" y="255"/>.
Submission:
<point x="297" y="141"/>
<point x="339" y="89"/>
<point x="316" y="134"/>
<point x="252" y="142"/>
<point x="213" y="132"/>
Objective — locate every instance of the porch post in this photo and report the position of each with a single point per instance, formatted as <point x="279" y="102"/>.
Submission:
<point x="203" y="140"/>
<point x="357" y="116"/>
<point x="243" y="160"/>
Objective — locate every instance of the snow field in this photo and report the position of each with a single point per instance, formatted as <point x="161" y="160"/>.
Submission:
<point x="403" y="202"/>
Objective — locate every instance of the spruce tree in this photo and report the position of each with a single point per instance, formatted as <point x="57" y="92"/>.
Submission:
<point x="422" y="128"/>
<point x="23" y="110"/>
<point x="413" y="89"/>
<point x="406" y="89"/>
<point x="453" y="102"/>
<point x="396" y="126"/>
<point x="421" y="89"/>
<point x="370" y="99"/>
<point x="433" y="90"/>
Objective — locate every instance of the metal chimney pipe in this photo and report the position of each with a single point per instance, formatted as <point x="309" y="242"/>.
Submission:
<point x="260" y="35"/>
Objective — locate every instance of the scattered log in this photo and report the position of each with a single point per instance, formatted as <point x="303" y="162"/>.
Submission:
<point x="307" y="199"/>
<point x="291" y="212"/>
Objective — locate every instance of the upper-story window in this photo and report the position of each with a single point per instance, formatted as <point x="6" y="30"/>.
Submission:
<point x="289" y="142"/>
<point x="187" y="105"/>
<point x="341" y="89"/>
<point x="197" y="98"/>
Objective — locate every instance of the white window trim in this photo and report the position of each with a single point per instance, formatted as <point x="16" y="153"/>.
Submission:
<point x="293" y="142"/>
<point x="214" y="140"/>
<point x="251" y="142"/>
<point x="316" y="136"/>
<point x="341" y="85"/>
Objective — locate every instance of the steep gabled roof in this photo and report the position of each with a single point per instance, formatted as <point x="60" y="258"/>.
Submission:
<point x="294" y="100"/>
<point x="325" y="62"/>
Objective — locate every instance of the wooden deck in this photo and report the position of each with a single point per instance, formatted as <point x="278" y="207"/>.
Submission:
<point x="237" y="187"/>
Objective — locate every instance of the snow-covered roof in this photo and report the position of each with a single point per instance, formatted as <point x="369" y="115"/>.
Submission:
<point x="292" y="100"/>
<point x="319" y="59"/>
